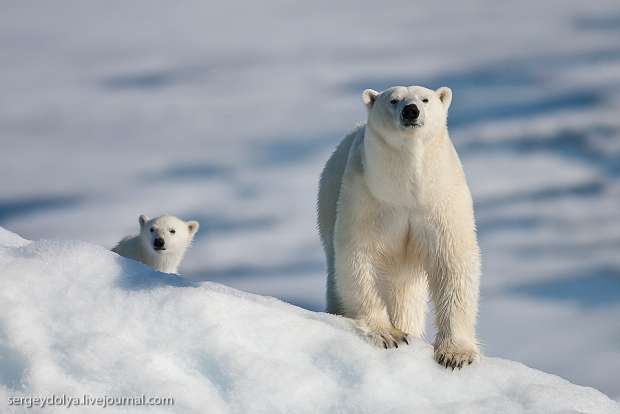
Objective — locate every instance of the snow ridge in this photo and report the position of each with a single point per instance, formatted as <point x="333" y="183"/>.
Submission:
<point x="78" y="319"/>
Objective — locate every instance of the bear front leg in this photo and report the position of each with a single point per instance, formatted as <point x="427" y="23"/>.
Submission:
<point x="454" y="285"/>
<point x="361" y="300"/>
<point x="406" y="297"/>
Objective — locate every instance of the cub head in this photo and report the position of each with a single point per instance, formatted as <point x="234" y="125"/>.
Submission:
<point x="401" y="114"/>
<point x="166" y="234"/>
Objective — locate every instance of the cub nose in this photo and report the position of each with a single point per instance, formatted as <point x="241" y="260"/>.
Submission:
<point x="158" y="243"/>
<point x="410" y="113"/>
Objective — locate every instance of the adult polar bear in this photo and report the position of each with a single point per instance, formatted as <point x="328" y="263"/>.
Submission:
<point x="396" y="216"/>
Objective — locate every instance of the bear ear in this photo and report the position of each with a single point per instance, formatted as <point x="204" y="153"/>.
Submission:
<point x="193" y="226"/>
<point x="445" y="96"/>
<point x="143" y="219"/>
<point x="369" y="96"/>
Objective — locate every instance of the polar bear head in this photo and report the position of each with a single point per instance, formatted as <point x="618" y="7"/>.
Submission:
<point x="402" y="113"/>
<point x="166" y="235"/>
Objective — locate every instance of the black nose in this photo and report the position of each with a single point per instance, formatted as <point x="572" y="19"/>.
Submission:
<point x="158" y="243"/>
<point x="410" y="113"/>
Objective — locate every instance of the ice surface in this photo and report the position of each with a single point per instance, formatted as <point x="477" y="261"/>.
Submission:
<point x="78" y="319"/>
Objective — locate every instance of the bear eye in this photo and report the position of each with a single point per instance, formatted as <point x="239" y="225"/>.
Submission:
<point x="152" y="229"/>
<point x="425" y="100"/>
<point x="394" y="101"/>
<point x="173" y="231"/>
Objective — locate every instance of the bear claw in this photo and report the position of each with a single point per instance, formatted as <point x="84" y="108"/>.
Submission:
<point x="455" y="357"/>
<point x="389" y="338"/>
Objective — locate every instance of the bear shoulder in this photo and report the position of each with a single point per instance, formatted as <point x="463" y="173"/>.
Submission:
<point x="128" y="246"/>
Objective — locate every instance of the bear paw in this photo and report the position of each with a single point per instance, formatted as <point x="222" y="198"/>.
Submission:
<point x="388" y="337"/>
<point x="452" y="355"/>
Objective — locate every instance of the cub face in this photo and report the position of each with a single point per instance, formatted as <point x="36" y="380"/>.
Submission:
<point x="402" y="114"/>
<point x="166" y="234"/>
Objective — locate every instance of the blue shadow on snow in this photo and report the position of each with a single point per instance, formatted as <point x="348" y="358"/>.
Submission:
<point x="589" y="288"/>
<point x="137" y="276"/>
<point x="18" y="207"/>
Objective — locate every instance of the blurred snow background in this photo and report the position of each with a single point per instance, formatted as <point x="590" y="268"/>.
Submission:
<point x="225" y="113"/>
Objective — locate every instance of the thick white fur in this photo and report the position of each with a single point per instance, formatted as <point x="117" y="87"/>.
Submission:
<point x="396" y="217"/>
<point x="140" y="247"/>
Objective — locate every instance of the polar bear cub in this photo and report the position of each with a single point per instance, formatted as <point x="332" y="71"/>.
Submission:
<point x="396" y="218"/>
<point x="161" y="244"/>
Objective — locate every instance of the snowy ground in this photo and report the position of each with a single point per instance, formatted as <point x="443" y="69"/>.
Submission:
<point x="225" y="113"/>
<point x="78" y="320"/>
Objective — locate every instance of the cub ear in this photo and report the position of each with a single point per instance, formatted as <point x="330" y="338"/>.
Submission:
<point x="445" y="96"/>
<point x="143" y="219"/>
<point x="193" y="227"/>
<point x="369" y="96"/>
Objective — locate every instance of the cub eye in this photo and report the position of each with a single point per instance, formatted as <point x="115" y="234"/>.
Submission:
<point x="152" y="229"/>
<point x="173" y="231"/>
<point x="425" y="100"/>
<point x="394" y="101"/>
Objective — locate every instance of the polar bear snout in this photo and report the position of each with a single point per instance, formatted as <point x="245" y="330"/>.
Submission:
<point x="159" y="244"/>
<point x="409" y="115"/>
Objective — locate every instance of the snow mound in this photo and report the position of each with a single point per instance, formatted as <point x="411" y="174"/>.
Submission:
<point x="76" y="319"/>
